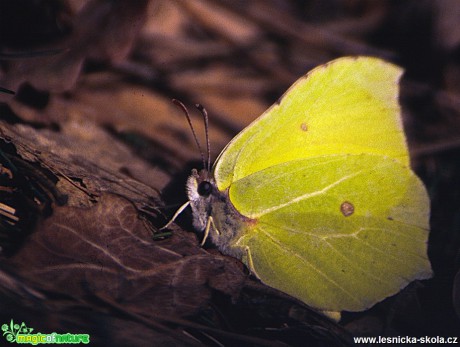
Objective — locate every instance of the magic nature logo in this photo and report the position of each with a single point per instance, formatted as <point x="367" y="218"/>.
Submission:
<point x="20" y="333"/>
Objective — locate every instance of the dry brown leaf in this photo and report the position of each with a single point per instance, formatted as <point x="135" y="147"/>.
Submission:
<point x="103" y="30"/>
<point x="87" y="161"/>
<point x="107" y="250"/>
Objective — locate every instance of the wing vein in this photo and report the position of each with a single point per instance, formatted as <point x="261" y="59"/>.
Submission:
<point x="305" y="261"/>
<point x="305" y="196"/>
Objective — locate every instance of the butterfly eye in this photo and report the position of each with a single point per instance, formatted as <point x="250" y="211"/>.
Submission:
<point x="204" y="188"/>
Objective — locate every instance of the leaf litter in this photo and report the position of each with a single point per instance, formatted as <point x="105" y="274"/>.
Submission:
<point x="91" y="121"/>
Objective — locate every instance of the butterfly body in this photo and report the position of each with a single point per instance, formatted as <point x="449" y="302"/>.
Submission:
<point x="228" y="223"/>
<point x="316" y="196"/>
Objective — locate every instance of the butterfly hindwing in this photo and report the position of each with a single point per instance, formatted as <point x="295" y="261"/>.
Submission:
<point x="306" y="242"/>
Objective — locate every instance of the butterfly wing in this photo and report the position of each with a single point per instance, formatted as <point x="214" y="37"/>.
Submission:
<point x="338" y="218"/>
<point x="348" y="106"/>
<point x="341" y="240"/>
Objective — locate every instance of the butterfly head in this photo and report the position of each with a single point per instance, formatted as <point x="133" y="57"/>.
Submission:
<point x="200" y="191"/>
<point x="213" y="212"/>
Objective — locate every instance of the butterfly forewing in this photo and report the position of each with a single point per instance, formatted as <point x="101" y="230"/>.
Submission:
<point x="348" y="106"/>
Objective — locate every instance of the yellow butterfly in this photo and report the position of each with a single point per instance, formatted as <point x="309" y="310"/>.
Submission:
<point x="316" y="196"/>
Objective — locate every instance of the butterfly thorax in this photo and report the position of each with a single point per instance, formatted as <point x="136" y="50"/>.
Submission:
<point x="208" y="202"/>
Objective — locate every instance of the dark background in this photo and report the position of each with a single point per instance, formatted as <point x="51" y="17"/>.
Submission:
<point x="94" y="158"/>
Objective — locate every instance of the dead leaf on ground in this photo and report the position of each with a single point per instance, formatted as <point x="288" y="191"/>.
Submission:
<point x="108" y="249"/>
<point x="87" y="161"/>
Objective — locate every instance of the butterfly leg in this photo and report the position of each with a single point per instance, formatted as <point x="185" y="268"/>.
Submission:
<point x="214" y="226"/>
<point x="178" y="212"/>
<point x="250" y="263"/>
<point x="209" y="223"/>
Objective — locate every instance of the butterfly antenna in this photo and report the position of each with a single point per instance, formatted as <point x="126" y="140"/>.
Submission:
<point x="184" y="109"/>
<point x="206" y="131"/>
